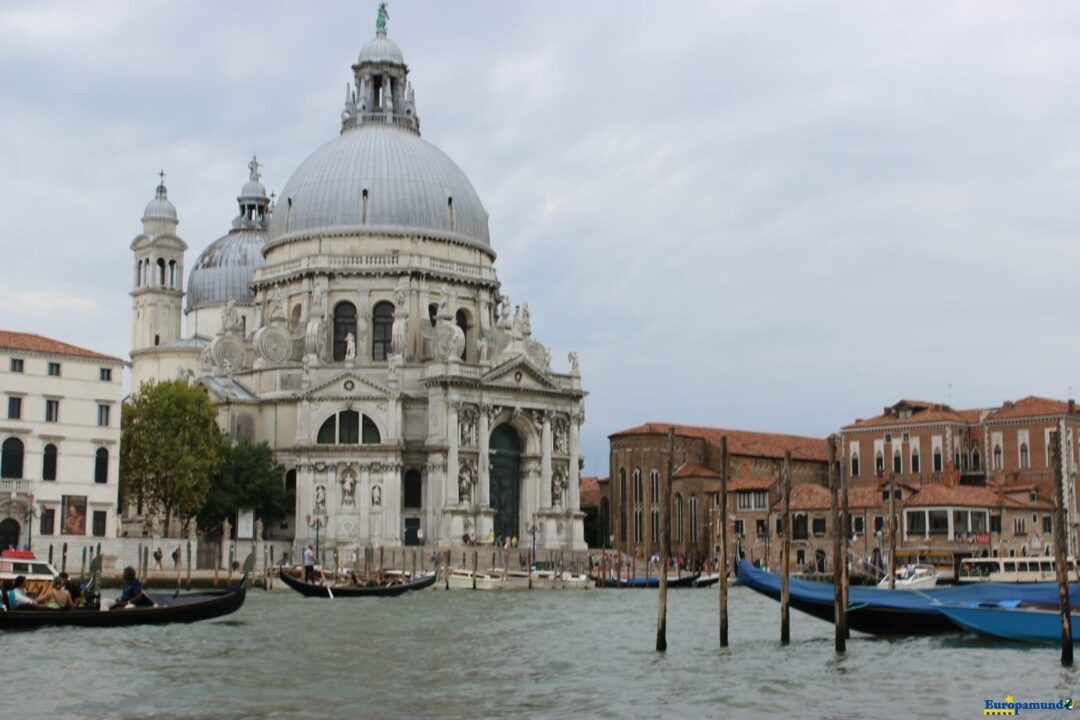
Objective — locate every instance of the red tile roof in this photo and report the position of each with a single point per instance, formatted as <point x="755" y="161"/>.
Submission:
<point x="959" y="495"/>
<point x="1030" y="406"/>
<point x="740" y="442"/>
<point x="761" y="482"/>
<point x="27" y="342"/>
<point x="863" y="498"/>
<point x="935" y="414"/>
<point x="690" y="470"/>
<point x="809" y="496"/>
<point x="589" y="490"/>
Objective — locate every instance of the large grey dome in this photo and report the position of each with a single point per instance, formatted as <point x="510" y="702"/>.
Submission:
<point x="224" y="270"/>
<point x="409" y="184"/>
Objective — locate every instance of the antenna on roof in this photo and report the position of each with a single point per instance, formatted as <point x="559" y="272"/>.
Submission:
<point x="950" y="394"/>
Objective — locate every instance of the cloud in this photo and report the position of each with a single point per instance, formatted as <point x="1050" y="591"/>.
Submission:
<point x="767" y="215"/>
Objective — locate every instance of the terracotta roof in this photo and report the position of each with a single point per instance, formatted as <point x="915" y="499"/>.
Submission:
<point x="740" y="442"/>
<point x="1030" y="406"/>
<point x="935" y="414"/>
<point x="761" y="482"/>
<point x="690" y="470"/>
<point x="863" y="497"/>
<point x="589" y="490"/>
<point x="960" y="495"/>
<point x="809" y="496"/>
<point x="28" y="342"/>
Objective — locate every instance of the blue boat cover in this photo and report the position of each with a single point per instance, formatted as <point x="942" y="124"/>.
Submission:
<point x="929" y="599"/>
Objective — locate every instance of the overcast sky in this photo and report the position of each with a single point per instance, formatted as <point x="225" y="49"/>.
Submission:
<point x="770" y="216"/>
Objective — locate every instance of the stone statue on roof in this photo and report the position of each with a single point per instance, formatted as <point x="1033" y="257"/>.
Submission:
<point x="380" y="20"/>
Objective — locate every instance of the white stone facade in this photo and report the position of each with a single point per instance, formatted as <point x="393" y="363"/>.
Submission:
<point x="381" y="359"/>
<point x="72" y="415"/>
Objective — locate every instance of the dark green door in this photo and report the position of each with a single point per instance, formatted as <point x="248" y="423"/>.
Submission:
<point x="505" y="487"/>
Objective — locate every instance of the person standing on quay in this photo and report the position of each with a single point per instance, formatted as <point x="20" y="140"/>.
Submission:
<point x="158" y="555"/>
<point x="309" y="564"/>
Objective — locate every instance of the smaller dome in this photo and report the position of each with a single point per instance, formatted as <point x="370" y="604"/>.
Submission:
<point x="380" y="49"/>
<point x="160" y="208"/>
<point x="253" y="189"/>
<point x="224" y="270"/>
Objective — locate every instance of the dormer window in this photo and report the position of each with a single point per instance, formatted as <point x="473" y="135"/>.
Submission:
<point x="1033" y="495"/>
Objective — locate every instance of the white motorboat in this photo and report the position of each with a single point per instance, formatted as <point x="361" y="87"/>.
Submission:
<point x="547" y="579"/>
<point x="495" y="579"/>
<point x="912" y="577"/>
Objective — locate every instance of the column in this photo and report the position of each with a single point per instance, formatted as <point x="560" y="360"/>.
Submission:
<point x="392" y="504"/>
<point x="452" y="468"/>
<point x="483" y="469"/>
<point x="575" y="464"/>
<point x="545" y="463"/>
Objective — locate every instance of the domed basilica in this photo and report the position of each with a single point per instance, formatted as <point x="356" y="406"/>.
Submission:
<point x="357" y="325"/>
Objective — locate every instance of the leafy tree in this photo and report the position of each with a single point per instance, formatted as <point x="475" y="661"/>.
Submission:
<point x="170" y="448"/>
<point x="250" y="478"/>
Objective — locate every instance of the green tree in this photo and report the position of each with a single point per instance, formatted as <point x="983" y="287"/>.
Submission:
<point x="170" y="448"/>
<point x="250" y="478"/>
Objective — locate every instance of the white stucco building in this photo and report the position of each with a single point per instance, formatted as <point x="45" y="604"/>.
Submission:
<point x="59" y="441"/>
<point x="358" y="326"/>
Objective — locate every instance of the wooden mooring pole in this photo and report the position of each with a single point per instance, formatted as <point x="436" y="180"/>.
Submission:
<point x="665" y="542"/>
<point x="845" y="551"/>
<point x="785" y="550"/>
<point x="892" y="531"/>
<point x="838" y="561"/>
<point x="724" y="549"/>
<point x="1060" y="548"/>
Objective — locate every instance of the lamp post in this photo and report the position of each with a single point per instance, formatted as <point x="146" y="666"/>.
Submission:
<point x="532" y="530"/>
<point x="28" y="518"/>
<point x="318" y="523"/>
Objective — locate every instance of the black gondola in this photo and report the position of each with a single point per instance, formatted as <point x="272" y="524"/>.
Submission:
<point x="308" y="590"/>
<point x="185" y="608"/>
<point x="654" y="582"/>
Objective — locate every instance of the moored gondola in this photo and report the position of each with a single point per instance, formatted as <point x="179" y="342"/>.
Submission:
<point x="654" y="582"/>
<point x="184" y="608"/>
<point x="334" y="591"/>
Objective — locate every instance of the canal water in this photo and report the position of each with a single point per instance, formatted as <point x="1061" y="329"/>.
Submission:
<point x="542" y="654"/>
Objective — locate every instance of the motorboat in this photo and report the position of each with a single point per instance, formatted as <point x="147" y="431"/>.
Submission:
<point x="912" y="577"/>
<point x="495" y="579"/>
<point x="550" y="579"/>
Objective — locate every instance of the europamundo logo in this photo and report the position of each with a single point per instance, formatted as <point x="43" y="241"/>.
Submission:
<point x="1012" y="706"/>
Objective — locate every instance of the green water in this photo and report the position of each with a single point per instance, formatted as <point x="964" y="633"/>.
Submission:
<point x="529" y="654"/>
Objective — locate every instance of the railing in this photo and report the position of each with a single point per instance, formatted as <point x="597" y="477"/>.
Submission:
<point x="17" y="487"/>
<point x="333" y="262"/>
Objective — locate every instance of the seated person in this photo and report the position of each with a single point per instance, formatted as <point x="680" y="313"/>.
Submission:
<point x="132" y="594"/>
<point x="17" y="599"/>
<point x="56" y="596"/>
<point x="74" y="589"/>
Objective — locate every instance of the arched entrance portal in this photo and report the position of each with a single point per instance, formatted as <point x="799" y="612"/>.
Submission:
<point x="505" y="486"/>
<point x="9" y="534"/>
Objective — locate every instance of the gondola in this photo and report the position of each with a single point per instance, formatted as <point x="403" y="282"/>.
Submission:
<point x="879" y="611"/>
<point x="654" y="582"/>
<point x="1035" y="625"/>
<point x="184" y="608"/>
<point x="335" y="591"/>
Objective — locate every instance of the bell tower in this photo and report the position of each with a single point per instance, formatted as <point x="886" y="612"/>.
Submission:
<point x="157" y="293"/>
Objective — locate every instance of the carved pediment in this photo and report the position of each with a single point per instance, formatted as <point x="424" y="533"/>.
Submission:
<point x="348" y="384"/>
<point x="519" y="372"/>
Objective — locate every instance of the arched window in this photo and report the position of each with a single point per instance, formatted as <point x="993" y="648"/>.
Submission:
<point x="348" y="428"/>
<point x="654" y="481"/>
<point x="1025" y="457"/>
<point x="855" y="465"/>
<point x="11" y="459"/>
<point x="344" y="323"/>
<point x="161" y="271"/>
<point x="101" y="466"/>
<point x="678" y="520"/>
<point x="997" y="457"/>
<point x="413" y="491"/>
<point x="639" y="529"/>
<point x="976" y="460"/>
<point x="172" y="273"/>
<point x="462" y="321"/>
<point x="879" y="462"/>
<point x="382" y="327"/>
<point x="370" y="432"/>
<point x="937" y="459"/>
<point x="48" y="463"/>
<point x="290" y="483"/>
<point x="693" y="519"/>
<point x="622" y="505"/>
<point x="328" y="431"/>
<point x="897" y="462"/>
<point x="915" y="465"/>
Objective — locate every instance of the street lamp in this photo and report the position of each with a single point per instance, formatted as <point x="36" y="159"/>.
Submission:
<point x="532" y="530"/>
<point x="317" y="523"/>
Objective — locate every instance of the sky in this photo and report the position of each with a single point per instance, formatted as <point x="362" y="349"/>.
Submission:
<point x="775" y="216"/>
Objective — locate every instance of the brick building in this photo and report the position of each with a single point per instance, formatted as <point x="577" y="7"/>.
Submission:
<point x="638" y="460"/>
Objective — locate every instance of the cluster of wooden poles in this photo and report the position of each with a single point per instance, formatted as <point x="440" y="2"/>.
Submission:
<point x="838" y="488"/>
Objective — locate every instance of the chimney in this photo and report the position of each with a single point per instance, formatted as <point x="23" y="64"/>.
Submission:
<point x="1072" y="406"/>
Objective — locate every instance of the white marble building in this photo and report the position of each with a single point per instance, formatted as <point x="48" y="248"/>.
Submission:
<point x="59" y="442"/>
<point x="370" y="341"/>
